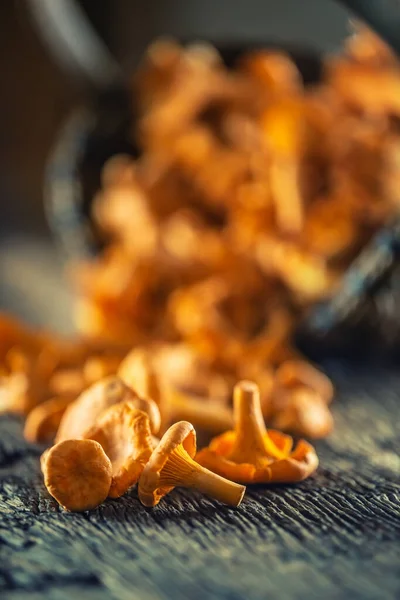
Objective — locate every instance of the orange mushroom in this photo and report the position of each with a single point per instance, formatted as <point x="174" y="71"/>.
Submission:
<point x="172" y="465"/>
<point x="303" y="411"/>
<point x="77" y="473"/>
<point x="207" y="414"/>
<point x="98" y="367"/>
<point x="83" y="412"/>
<point x="250" y="453"/>
<point x="292" y="373"/>
<point x="140" y="372"/>
<point x="300" y="400"/>
<point x="137" y="371"/>
<point x="67" y="382"/>
<point x="43" y="421"/>
<point x="375" y="90"/>
<point x="275" y="71"/>
<point x="307" y="275"/>
<point x="125" y="435"/>
<point x="23" y="385"/>
<point x="284" y="129"/>
<point x="148" y="406"/>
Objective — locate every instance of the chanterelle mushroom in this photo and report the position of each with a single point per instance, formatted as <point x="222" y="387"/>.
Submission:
<point x="77" y="473"/>
<point x="139" y="371"/>
<point x="300" y="400"/>
<point x="125" y="436"/>
<point x="83" y="412"/>
<point x="250" y="453"/>
<point x="172" y="464"/>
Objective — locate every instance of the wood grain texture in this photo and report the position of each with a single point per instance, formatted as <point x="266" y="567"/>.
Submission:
<point x="334" y="536"/>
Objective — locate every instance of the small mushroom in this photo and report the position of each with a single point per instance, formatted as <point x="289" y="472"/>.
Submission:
<point x="83" y="412"/>
<point x="208" y="415"/>
<point x="43" y="421"/>
<point x="302" y="411"/>
<point x="275" y="71"/>
<point x="172" y="465"/>
<point x="67" y="382"/>
<point x="98" y="367"/>
<point x="306" y="275"/>
<point x="293" y="373"/>
<point x="148" y="406"/>
<point x="138" y="372"/>
<point x="77" y="473"/>
<point x="250" y="453"/>
<point x="330" y="229"/>
<point x="23" y="385"/>
<point x="284" y="128"/>
<point x="125" y="436"/>
<point x="300" y="400"/>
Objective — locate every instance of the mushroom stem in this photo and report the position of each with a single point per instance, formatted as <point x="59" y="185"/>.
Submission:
<point x="252" y="439"/>
<point x="205" y="414"/>
<point x="219" y="488"/>
<point x="286" y="194"/>
<point x="182" y="470"/>
<point x="247" y="410"/>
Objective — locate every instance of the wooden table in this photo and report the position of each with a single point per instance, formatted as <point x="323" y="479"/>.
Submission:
<point x="335" y="536"/>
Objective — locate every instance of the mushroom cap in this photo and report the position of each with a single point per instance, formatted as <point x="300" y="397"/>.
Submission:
<point x="67" y="382"/>
<point x="298" y="466"/>
<point x="98" y="367"/>
<point x="124" y="434"/>
<point x="43" y="421"/>
<point x="148" y="406"/>
<point x="292" y="373"/>
<point x="77" y="473"/>
<point x="303" y="411"/>
<point x="83" y="412"/>
<point x="295" y="466"/>
<point x="181" y="432"/>
<point x="138" y="372"/>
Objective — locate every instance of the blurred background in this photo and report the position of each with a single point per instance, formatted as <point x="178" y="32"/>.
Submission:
<point x="42" y="85"/>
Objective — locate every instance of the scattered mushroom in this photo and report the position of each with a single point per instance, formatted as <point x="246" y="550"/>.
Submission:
<point x="124" y="433"/>
<point x="205" y="414"/>
<point x="292" y="373"/>
<point x="23" y="385"/>
<point x="303" y="411"/>
<point x="77" y="473"/>
<point x="83" y="412"/>
<point x="284" y="129"/>
<point x="250" y="453"/>
<point x="137" y="370"/>
<point x="171" y="464"/>
<point x="43" y="421"/>
<point x="98" y="367"/>
<point x="300" y="400"/>
<point x="69" y="382"/>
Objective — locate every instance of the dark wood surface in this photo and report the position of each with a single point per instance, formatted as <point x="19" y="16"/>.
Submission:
<point x="334" y="536"/>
